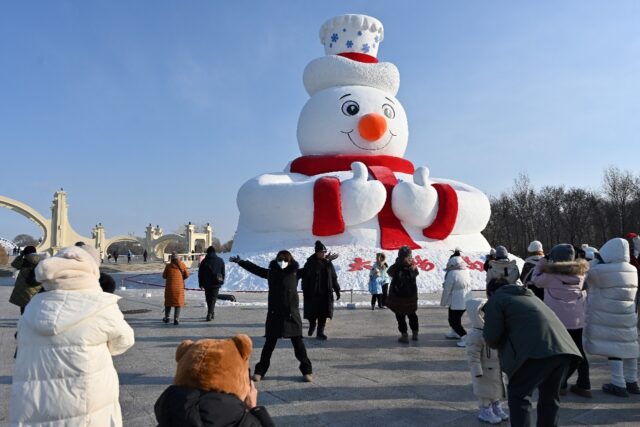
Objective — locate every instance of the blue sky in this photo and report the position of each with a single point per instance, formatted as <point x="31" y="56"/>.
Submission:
<point x="158" y="111"/>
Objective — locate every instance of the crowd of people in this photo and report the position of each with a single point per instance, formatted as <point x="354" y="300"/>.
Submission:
<point x="533" y="331"/>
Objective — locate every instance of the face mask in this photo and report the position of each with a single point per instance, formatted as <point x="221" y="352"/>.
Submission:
<point x="283" y="264"/>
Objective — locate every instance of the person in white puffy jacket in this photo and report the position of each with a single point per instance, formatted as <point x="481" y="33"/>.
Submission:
<point x="456" y="289"/>
<point x="64" y="374"/>
<point x="484" y="365"/>
<point x="611" y="320"/>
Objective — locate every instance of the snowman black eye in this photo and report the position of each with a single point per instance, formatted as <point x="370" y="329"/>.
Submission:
<point x="388" y="111"/>
<point x="350" y="108"/>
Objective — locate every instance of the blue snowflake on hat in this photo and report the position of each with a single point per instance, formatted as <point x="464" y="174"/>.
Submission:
<point x="334" y="37"/>
<point x="365" y="48"/>
<point x="349" y="44"/>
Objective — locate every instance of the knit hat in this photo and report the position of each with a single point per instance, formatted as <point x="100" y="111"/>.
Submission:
<point x="631" y="235"/>
<point x="320" y="247"/>
<point x="502" y="252"/>
<point x="404" y="252"/>
<point x="589" y="252"/>
<point x="562" y="252"/>
<point x="492" y="252"/>
<point x="535" y="246"/>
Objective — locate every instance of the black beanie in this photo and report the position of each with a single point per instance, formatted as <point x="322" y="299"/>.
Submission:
<point x="404" y="252"/>
<point x="320" y="247"/>
<point x="29" y="250"/>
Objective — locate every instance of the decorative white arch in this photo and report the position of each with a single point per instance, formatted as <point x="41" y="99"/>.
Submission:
<point x="161" y="243"/>
<point x="32" y="215"/>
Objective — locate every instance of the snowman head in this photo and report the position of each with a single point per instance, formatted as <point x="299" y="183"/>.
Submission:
<point x="352" y="109"/>
<point x="358" y="120"/>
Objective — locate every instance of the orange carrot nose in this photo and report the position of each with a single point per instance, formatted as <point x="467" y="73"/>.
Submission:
<point x="372" y="126"/>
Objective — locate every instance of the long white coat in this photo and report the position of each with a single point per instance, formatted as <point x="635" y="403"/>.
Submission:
<point x="456" y="288"/>
<point x="488" y="380"/>
<point x="611" y="321"/>
<point x="64" y="374"/>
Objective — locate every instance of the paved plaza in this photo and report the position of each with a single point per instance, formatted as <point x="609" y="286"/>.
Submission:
<point x="363" y="376"/>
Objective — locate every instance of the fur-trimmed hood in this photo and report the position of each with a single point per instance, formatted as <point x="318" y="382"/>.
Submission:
<point x="578" y="267"/>
<point x="72" y="268"/>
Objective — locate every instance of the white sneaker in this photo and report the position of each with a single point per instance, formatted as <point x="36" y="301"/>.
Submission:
<point x="486" y="415"/>
<point x="461" y="343"/>
<point x="451" y="335"/>
<point x="496" y="407"/>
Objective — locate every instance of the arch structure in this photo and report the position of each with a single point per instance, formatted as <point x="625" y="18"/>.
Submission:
<point x="58" y="232"/>
<point x="34" y="216"/>
<point x="156" y="242"/>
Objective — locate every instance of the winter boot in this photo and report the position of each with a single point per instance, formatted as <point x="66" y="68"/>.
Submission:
<point x="584" y="392"/>
<point x="633" y="388"/>
<point x="461" y="343"/>
<point x="176" y="321"/>
<point x="307" y="378"/>
<point x="312" y="327"/>
<point x="209" y="317"/>
<point x="373" y="306"/>
<point x="256" y="378"/>
<point x="452" y="335"/>
<point x="496" y="407"/>
<point x="414" y="335"/>
<point x="404" y="338"/>
<point x="486" y="415"/>
<point x="615" y="390"/>
<point x="321" y="335"/>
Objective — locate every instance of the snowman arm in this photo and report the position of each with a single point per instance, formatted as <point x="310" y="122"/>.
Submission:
<point x="275" y="202"/>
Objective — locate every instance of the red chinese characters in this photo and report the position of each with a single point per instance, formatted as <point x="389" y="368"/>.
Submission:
<point x="359" y="264"/>
<point x="473" y="265"/>
<point x="424" y="264"/>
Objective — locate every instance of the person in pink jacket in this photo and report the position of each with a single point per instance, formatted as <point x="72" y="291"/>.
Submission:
<point x="562" y="276"/>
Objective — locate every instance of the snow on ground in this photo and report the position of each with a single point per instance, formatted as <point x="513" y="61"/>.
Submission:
<point x="352" y="267"/>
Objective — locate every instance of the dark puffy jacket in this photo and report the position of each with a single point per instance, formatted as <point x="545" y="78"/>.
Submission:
<point x="403" y="290"/>
<point x="180" y="406"/>
<point x="211" y="271"/>
<point x="26" y="285"/>
<point x="107" y="283"/>
<point x="319" y="281"/>
<point x="522" y="327"/>
<point x="283" y="311"/>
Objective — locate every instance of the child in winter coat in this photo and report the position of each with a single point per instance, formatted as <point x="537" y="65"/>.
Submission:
<point x="562" y="279"/>
<point x="611" y="319"/>
<point x="455" y="292"/>
<point x="64" y="374"/>
<point x="378" y="278"/>
<point x="488" y="380"/>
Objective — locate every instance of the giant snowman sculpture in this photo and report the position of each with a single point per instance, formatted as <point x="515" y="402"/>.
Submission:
<point x="352" y="188"/>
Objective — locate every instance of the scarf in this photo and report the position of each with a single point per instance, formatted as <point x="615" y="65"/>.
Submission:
<point x="327" y="214"/>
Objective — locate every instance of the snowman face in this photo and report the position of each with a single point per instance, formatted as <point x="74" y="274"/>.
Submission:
<point x="353" y="120"/>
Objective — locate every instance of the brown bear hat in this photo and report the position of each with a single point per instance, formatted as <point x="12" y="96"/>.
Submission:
<point x="215" y="365"/>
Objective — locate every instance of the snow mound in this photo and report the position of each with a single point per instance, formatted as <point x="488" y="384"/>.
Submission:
<point x="352" y="267"/>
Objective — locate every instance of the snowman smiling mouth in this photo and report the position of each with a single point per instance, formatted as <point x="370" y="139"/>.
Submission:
<point x="391" y="135"/>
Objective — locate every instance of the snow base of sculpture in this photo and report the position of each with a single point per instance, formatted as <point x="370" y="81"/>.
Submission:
<point x="355" y="260"/>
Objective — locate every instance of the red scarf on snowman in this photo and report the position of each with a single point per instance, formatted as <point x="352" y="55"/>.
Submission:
<point x="327" y="210"/>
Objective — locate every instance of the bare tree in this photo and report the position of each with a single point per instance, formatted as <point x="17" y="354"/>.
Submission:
<point x="620" y="187"/>
<point x="23" y="240"/>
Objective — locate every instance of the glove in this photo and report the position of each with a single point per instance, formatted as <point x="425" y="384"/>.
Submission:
<point x="235" y="258"/>
<point x="331" y="256"/>
<point x="337" y="296"/>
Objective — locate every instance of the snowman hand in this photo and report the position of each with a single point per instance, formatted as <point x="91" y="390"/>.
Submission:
<point x="361" y="199"/>
<point x="415" y="203"/>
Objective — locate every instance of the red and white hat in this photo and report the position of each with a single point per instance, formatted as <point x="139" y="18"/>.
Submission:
<point x="351" y="44"/>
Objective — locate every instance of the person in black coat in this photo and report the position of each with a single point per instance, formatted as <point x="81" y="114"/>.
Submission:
<point x="403" y="293"/>
<point x="319" y="282"/>
<point x="283" y="310"/>
<point x="210" y="278"/>
<point x="181" y="406"/>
